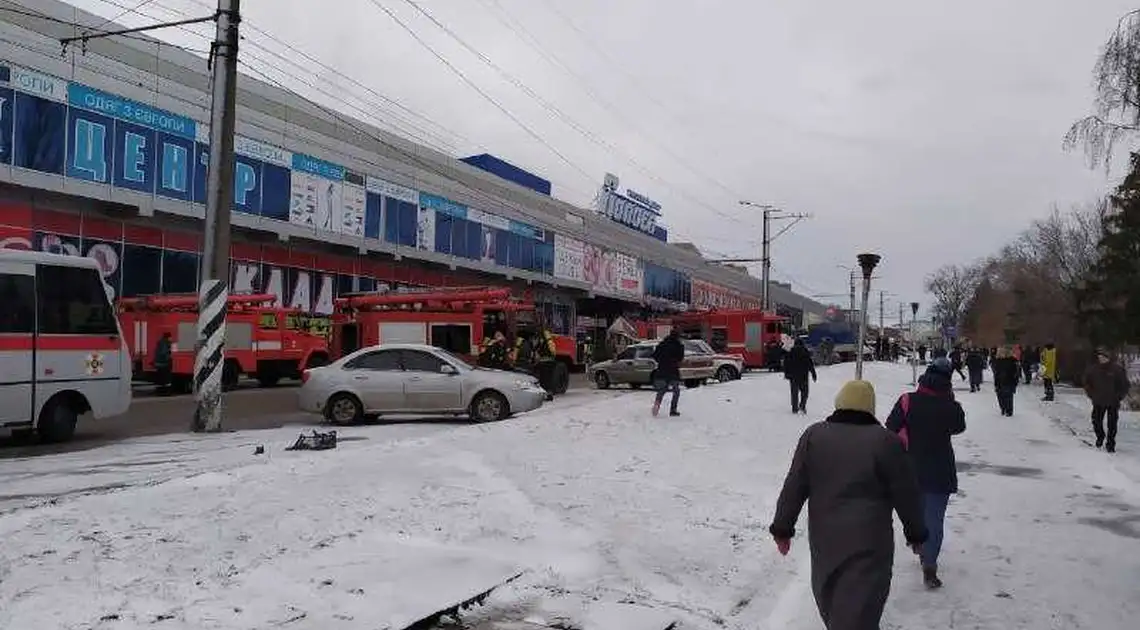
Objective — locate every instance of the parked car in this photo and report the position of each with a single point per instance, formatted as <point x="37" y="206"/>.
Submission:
<point x="414" y="379"/>
<point x="635" y="367"/>
<point x="726" y="367"/>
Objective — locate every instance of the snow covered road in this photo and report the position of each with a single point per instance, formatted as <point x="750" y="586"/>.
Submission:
<point x="594" y="499"/>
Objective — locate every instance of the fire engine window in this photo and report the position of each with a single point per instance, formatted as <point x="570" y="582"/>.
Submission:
<point x="17" y="293"/>
<point x="73" y="301"/>
<point x="416" y="361"/>
<point x="383" y="360"/>
<point x="268" y="321"/>
<point x="455" y="338"/>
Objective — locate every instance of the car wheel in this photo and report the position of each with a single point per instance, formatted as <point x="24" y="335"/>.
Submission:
<point x="489" y="407"/>
<point x="602" y="380"/>
<point x="725" y="373"/>
<point x="635" y="385"/>
<point x="559" y="378"/>
<point x="692" y="382"/>
<point x="344" y="409"/>
<point x="57" y="421"/>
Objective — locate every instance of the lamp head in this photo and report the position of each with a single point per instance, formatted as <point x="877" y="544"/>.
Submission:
<point x="867" y="262"/>
<point x="914" y="308"/>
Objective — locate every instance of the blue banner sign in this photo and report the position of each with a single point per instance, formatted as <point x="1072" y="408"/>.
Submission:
<point x="316" y="166"/>
<point x="79" y="95"/>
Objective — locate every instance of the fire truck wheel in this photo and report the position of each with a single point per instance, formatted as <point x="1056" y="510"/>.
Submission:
<point x="58" y="418"/>
<point x="268" y="380"/>
<point x="231" y="372"/>
<point x="489" y="406"/>
<point x="344" y="409"/>
<point x="601" y="379"/>
<point x="725" y="373"/>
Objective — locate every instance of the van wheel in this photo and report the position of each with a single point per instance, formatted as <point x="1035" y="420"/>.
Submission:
<point x="268" y="380"/>
<point x="344" y="409"/>
<point x="489" y="407"/>
<point x="57" y="421"/>
<point x="601" y="379"/>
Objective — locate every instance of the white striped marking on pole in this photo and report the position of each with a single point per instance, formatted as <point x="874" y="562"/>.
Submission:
<point x="208" y="362"/>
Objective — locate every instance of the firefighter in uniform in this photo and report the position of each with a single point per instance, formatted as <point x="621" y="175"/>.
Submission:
<point x="494" y="352"/>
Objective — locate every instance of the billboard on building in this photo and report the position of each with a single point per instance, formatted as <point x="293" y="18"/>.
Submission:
<point x="606" y="271"/>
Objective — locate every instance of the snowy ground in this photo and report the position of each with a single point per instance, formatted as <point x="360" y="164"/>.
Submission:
<point x="591" y="499"/>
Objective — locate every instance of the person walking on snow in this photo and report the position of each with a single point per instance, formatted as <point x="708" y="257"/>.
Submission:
<point x="798" y="365"/>
<point x="956" y="361"/>
<point x="1007" y="376"/>
<point x="1049" y="370"/>
<point x="926" y="419"/>
<point x="1029" y="360"/>
<point x="975" y="365"/>
<point x="667" y="377"/>
<point x="853" y="473"/>
<point x="1106" y="384"/>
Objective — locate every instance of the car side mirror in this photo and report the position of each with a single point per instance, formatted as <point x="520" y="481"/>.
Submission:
<point x="449" y="369"/>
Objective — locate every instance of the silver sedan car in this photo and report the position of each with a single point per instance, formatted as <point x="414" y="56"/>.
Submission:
<point x="414" y="379"/>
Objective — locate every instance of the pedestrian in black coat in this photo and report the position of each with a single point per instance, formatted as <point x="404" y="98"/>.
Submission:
<point x="798" y="365"/>
<point x="956" y="361"/>
<point x="854" y="474"/>
<point x="1106" y="384"/>
<point x="975" y="365"/>
<point x="667" y="377"/>
<point x="928" y="418"/>
<point x="1007" y="376"/>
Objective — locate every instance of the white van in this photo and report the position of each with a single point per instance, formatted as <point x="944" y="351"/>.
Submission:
<point x="62" y="353"/>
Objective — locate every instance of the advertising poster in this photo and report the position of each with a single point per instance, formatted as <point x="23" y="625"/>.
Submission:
<point x="304" y="190"/>
<point x="329" y="205"/>
<point x="425" y="228"/>
<point x="629" y="274"/>
<point x="352" y="210"/>
<point x="488" y="248"/>
<point x="569" y="258"/>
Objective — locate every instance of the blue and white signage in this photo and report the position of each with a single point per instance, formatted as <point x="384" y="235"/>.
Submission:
<point x="635" y="211"/>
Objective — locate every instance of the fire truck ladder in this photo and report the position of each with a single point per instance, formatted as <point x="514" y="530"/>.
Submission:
<point x="456" y="297"/>
<point x="188" y="302"/>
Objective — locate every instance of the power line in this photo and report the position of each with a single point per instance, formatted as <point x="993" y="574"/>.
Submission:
<point x="558" y="113"/>
<point x="125" y="12"/>
<point x="459" y="73"/>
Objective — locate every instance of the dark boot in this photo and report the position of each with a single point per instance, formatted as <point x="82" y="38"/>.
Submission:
<point x="1110" y="447"/>
<point x="1100" y="441"/>
<point x="930" y="577"/>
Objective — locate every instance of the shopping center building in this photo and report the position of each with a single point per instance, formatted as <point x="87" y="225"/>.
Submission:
<point x="103" y="154"/>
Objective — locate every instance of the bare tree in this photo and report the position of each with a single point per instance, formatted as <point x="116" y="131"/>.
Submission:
<point x="1116" y="105"/>
<point x="953" y="287"/>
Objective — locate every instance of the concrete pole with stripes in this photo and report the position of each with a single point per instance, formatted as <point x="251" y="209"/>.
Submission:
<point x="213" y="289"/>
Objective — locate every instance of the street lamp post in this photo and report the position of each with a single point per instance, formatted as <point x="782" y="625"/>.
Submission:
<point x="867" y="263"/>
<point x="913" y="345"/>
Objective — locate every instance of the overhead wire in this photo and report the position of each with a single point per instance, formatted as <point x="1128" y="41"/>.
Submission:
<point x="124" y="13"/>
<point x="558" y="113"/>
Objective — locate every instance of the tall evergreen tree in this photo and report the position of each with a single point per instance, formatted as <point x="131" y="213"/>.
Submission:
<point x="1110" y="300"/>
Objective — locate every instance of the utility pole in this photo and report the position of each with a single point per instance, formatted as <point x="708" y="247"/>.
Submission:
<point x="867" y="263"/>
<point x="882" y="305"/>
<point x="215" y="264"/>
<point x="213" y="286"/>
<point x="852" y="311"/>
<point x="771" y="213"/>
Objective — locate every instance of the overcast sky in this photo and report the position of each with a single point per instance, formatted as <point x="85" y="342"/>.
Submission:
<point x="928" y="132"/>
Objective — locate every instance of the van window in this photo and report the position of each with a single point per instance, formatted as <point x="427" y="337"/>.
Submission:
<point x="73" y="301"/>
<point x="18" y="295"/>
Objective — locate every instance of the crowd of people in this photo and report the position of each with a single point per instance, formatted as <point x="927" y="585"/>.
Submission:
<point x="855" y="475"/>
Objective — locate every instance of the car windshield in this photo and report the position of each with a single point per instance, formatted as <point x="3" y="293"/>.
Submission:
<point x="455" y="360"/>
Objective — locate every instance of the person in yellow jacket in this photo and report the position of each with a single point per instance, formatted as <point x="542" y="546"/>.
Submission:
<point x="1049" y="370"/>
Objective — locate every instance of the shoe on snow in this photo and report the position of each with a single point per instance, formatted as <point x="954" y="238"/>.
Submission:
<point x="674" y="413"/>
<point x="1110" y="448"/>
<point x="1099" y="442"/>
<point x="930" y="578"/>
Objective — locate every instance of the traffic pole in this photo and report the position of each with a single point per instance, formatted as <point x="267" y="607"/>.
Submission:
<point x="867" y="262"/>
<point x="213" y="286"/>
<point x="913" y="345"/>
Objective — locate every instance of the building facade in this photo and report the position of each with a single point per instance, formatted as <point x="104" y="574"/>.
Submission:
<point x="103" y="153"/>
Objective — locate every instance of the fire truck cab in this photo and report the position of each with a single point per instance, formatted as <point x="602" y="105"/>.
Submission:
<point x="746" y="332"/>
<point x="457" y="319"/>
<point x="262" y="340"/>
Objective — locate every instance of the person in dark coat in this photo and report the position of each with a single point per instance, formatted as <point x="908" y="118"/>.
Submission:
<point x="1030" y="357"/>
<point x="1106" y="384"/>
<point x="929" y="417"/>
<point x="922" y="353"/>
<point x="1007" y="376"/>
<point x="163" y="363"/>
<point x="975" y="365"/>
<point x="667" y="377"/>
<point x="853" y="473"/>
<point x="956" y="361"/>
<point x="798" y="365"/>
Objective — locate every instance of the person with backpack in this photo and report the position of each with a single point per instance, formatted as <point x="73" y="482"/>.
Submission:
<point x="852" y="474"/>
<point x="926" y="420"/>
<point x="1007" y="376"/>
<point x="798" y="365"/>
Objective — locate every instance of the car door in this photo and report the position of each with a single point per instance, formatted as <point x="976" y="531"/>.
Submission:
<point x="426" y="387"/>
<point x="17" y="355"/>
<point x="643" y="364"/>
<point x="621" y="367"/>
<point x="378" y="379"/>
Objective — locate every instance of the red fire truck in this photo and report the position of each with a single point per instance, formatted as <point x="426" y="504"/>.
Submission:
<point x="262" y="340"/>
<point x="746" y="332"/>
<point x="456" y="319"/>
